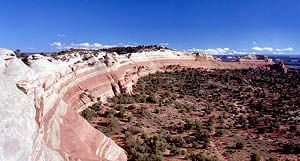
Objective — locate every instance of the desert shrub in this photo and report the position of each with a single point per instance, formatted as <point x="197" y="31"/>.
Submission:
<point x="129" y="118"/>
<point x="89" y="114"/>
<point x="134" y="130"/>
<point x="289" y="148"/>
<point x="195" y="144"/>
<point x="220" y="132"/>
<point x="293" y="128"/>
<point x="210" y="122"/>
<point x="160" y="103"/>
<point x="200" y="157"/>
<point x="175" y="150"/>
<point x="206" y="140"/>
<point x="179" y="141"/>
<point x="157" y="143"/>
<point x="112" y="124"/>
<point x="126" y="99"/>
<point x="150" y="149"/>
<point x="97" y="106"/>
<point x="253" y="121"/>
<point x="155" y="157"/>
<point x="144" y="135"/>
<point x="208" y="110"/>
<point x="254" y="157"/>
<point x="262" y="130"/>
<point x="240" y="145"/>
<point x="21" y="88"/>
<point x="122" y="112"/>
<point x="272" y="129"/>
<point x="157" y="110"/>
<point x="297" y="149"/>
<point x="271" y="159"/>
<point x="131" y="107"/>
<point x="205" y="145"/>
<point x="100" y="129"/>
<point x="81" y="95"/>
<point x="202" y="134"/>
<point x="151" y="99"/>
<point x="167" y="94"/>
<point x="138" y="124"/>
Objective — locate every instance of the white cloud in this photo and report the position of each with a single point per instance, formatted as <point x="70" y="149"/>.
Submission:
<point x="257" y="48"/>
<point x="284" y="49"/>
<point x="228" y="51"/>
<point x="271" y="49"/>
<point x="97" y="45"/>
<point x="164" y="44"/>
<point x="195" y="50"/>
<point x="217" y="51"/>
<point x="262" y="49"/>
<point x="56" y="44"/>
<point x="239" y="52"/>
<point x="61" y="35"/>
<point x="84" y="45"/>
<point x="222" y="51"/>
<point x="278" y="53"/>
<point x="254" y="42"/>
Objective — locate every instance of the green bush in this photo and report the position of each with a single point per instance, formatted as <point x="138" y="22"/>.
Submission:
<point x="240" y="145"/>
<point x="205" y="146"/>
<point x="220" y="132"/>
<point x="200" y="157"/>
<point x="179" y="141"/>
<point x="134" y="130"/>
<point x="157" y="111"/>
<point x="297" y="149"/>
<point x="271" y="159"/>
<point x="122" y="112"/>
<point x="262" y="130"/>
<point x="206" y="140"/>
<point x="175" y="150"/>
<point x="89" y="114"/>
<point x="129" y="118"/>
<point x="254" y="157"/>
<point x="151" y="99"/>
<point x="112" y="124"/>
<point x="195" y="144"/>
<point x="287" y="148"/>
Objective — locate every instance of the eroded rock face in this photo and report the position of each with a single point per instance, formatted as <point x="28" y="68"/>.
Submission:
<point x="17" y="125"/>
<point x="60" y="87"/>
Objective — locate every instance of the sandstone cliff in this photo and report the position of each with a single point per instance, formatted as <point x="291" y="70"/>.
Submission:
<point x="44" y="124"/>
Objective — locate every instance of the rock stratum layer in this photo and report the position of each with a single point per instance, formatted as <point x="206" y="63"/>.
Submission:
<point x="45" y="124"/>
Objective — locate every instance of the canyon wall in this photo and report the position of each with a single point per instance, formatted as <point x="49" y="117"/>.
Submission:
<point x="44" y="123"/>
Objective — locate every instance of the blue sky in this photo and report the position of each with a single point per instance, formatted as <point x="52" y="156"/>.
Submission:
<point x="208" y="26"/>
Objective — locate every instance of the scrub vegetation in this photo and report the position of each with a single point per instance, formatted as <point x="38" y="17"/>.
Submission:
<point x="195" y="114"/>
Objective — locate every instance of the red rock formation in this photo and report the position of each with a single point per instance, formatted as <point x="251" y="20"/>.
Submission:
<point x="65" y="85"/>
<point x="279" y="67"/>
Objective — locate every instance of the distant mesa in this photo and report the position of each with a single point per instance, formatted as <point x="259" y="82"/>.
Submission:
<point x="254" y="57"/>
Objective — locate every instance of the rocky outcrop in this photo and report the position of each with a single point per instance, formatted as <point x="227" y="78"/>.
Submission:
<point x="279" y="67"/>
<point x="255" y="58"/>
<point x="45" y="124"/>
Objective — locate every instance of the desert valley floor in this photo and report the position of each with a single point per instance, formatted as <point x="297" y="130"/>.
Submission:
<point x="198" y="114"/>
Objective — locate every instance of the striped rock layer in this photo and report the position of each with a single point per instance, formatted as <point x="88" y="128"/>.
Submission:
<point x="58" y="88"/>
